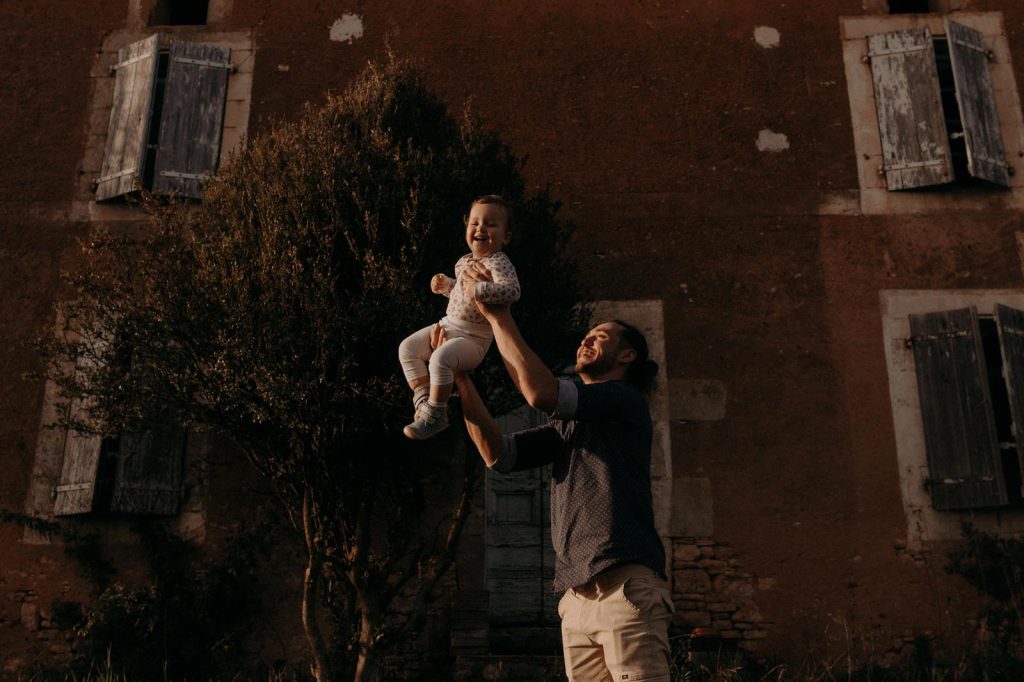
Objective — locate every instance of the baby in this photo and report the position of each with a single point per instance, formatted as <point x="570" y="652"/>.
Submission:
<point x="468" y="335"/>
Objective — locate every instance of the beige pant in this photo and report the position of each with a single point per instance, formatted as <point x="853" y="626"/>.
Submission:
<point x="615" y="627"/>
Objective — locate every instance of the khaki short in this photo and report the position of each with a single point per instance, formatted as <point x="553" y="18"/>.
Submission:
<point x="615" y="627"/>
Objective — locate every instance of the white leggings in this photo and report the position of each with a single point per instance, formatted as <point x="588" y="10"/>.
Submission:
<point x="461" y="352"/>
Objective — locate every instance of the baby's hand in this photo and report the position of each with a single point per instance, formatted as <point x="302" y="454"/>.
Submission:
<point x="438" y="284"/>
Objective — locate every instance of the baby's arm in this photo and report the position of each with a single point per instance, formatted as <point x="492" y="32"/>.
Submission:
<point x="503" y="288"/>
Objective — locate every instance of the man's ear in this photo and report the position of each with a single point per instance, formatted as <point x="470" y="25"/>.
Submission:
<point x="626" y="356"/>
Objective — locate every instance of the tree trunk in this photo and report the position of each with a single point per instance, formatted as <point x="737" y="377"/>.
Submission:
<point x="367" y="666"/>
<point x="311" y="596"/>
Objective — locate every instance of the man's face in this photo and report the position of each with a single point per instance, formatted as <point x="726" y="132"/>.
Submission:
<point x="601" y="351"/>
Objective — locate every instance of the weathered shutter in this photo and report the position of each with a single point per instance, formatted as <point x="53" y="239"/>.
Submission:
<point x="1011" y="341"/>
<point x="77" y="486"/>
<point x="915" y="148"/>
<point x="192" y="118"/>
<point x="78" y="474"/>
<point x="520" y="556"/>
<point x="128" y="130"/>
<point x="986" y="157"/>
<point x="960" y="435"/>
<point x="149" y="472"/>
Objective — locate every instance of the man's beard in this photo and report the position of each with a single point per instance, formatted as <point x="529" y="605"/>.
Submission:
<point x="595" y="367"/>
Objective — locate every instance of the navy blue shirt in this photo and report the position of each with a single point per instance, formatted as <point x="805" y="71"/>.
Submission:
<point x="599" y="445"/>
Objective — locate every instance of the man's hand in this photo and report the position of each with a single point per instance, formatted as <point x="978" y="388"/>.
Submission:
<point x="437" y="336"/>
<point x="474" y="273"/>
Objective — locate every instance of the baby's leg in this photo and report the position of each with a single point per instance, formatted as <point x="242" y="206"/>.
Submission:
<point x="414" y="353"/>
<point x="455" y="355"/>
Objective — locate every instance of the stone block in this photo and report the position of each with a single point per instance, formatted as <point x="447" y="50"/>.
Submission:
<point x="1020" y="252"/>
<point x="697" y="399"/>
<point x="721" y="607"/>
<point x="748" y="612"/>
<point x="685" y="552"/>
<point x="692" y="513"/>
<point x="729" y="587"/>
<point x="30" y="616"/>
<point x="713" y="566"/>
<point x="692" y="581"/>
<point x="724" y="552"/>
<point x="692" y="619"/>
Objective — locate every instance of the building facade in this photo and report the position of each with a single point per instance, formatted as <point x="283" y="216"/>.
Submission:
<point x="815" y="215"/>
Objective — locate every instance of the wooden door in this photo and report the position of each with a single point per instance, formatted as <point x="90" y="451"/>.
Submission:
<point x="519" y="556"/>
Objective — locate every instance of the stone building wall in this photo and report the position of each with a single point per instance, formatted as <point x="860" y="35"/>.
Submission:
<point x="712" y="589"/>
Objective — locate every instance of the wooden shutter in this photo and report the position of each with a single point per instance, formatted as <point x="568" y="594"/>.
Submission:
<point x="192" y="118"/>
<point x="1011" y="341"/>
<point x="915" y="148"/>
<point x="149" y="472"/>
<point x="77" y="486"/>
<point x="128" y="130"/>
<point x="520" y="556"/>
<point x="960" y="436"/>
<point x="986" y="157"/>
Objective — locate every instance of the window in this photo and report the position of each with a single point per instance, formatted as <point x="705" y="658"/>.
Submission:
<point x="925" y="521"/>
<point x="936" y="108"/>
<point x="139" y="472"/>
<point x="908" y="6"/>
<point x="911" y="89"/>
<point x="179" y="12"/>
<point x="970" y="376"/>
<point x="164" y="132"/>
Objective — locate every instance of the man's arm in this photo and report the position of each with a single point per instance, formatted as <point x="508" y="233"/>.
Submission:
<point x="482" y="428"/>
<point x="530" y="375"/>
<point x="533" y="378"/>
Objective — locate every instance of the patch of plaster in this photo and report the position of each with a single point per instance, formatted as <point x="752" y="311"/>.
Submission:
<point x="347" y="29"/>
<point x="1020" y="250"/>
<point x="767" y="37"/>
<point x="768" y="141"/>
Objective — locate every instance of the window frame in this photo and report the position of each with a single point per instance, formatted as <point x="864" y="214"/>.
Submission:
<point x="189" y="521"/>
<point x="167" y="118"/>
<point x="924" y="522"/>
<point x="875" y="198"/>
<point x="234" y="129"/>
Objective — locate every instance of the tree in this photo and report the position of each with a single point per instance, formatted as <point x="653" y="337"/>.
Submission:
<point x="271" y="313"/>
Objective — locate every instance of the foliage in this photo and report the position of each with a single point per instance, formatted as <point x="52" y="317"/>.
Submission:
<point x="272" y="311"/>
<point x="994" y="565"/>
<point x="187" y="623"/>
<point x="80" y="545"/>
<point x="40" y="526"/>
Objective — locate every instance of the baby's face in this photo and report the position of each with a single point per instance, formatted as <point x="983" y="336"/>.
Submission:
<point x="486" y="229"/>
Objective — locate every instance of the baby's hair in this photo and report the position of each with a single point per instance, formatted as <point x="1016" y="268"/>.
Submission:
<point x="641" y="372"/>
<point x="497" y="200"/>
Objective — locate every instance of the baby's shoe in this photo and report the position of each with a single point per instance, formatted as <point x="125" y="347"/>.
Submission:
<point x="430" y="420"/>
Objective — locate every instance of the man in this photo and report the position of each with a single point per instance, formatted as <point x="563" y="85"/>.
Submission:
<point x="609" y="558"/>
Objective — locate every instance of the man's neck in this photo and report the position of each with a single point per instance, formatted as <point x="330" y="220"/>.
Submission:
<point x="608" y="376"/>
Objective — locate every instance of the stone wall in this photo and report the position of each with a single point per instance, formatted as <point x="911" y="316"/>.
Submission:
<point x="711" y="589"/>
<point x="53" y="641"/>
